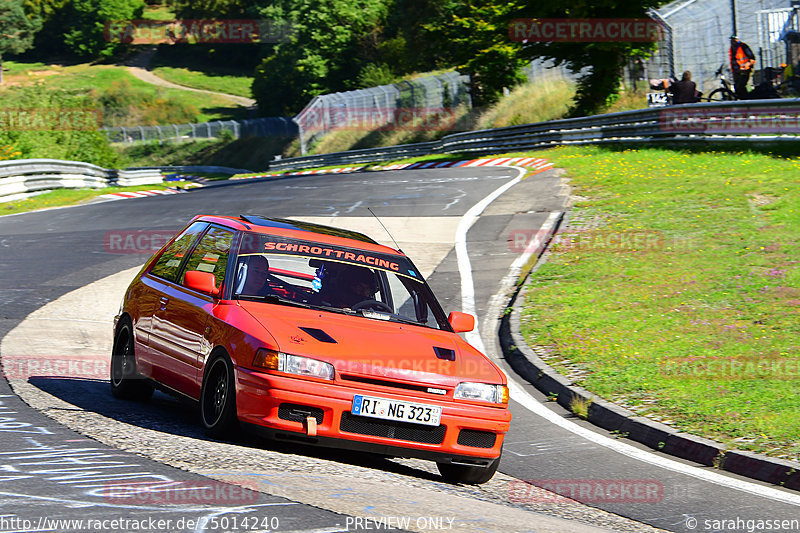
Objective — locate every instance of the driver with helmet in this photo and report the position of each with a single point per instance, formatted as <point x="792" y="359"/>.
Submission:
<point x="351" y="285"/>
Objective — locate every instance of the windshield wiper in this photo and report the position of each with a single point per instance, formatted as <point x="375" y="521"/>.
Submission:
<point x="275" y="299"/>
<point x="380" y="315"/>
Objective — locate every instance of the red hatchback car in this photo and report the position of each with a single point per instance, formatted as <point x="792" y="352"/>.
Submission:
<point x="311" y="334"/>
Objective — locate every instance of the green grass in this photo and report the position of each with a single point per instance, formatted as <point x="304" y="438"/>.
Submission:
<point x="533" y="102"/>
<point x="714" y="279"/>
<point x="253" y="153"/>
<point x="65" y="197"/>
<point x="161" y="105"/>
<point x="529" y="103"/>
<point x="221" y="83"/>
<point x="158" y="12"/>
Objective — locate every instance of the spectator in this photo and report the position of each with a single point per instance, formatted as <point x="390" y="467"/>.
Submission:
<point x="742" y="61"/>
<point x="684" y="91"/>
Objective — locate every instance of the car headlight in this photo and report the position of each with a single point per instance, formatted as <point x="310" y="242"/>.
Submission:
<point x="483" y="392"/>
<point x="292" y="364"/>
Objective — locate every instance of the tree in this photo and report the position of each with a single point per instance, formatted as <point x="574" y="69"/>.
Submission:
<point x="330" y="43"/>
<point x="16" y="30"/>
<point x="85" y="20"/>
<point x="472" y="37"/>
<point x="599" y="84"/>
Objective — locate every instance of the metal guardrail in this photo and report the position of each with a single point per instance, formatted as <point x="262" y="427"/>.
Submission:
<point x="766" y="121"/>
<point x="22" y="178"/>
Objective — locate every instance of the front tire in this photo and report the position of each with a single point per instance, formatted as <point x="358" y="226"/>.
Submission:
<point x="126" y="383"/>
<point x="218" y="399"/>
<point x="468" y="475"/>
<point x="721" y="95"/>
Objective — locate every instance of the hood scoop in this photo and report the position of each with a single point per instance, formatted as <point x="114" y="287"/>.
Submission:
<point x="445" y="353"/>
<point x="320" y="335"/>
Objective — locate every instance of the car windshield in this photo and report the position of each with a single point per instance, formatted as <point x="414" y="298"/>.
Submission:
<point x="334" y="278"/>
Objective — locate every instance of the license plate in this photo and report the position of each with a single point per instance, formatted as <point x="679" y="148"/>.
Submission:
<point x="657" y="99"/>
<point x="415" y="413"/>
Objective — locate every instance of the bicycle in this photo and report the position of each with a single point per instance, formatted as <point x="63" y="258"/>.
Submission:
<point x="725" y="93"/>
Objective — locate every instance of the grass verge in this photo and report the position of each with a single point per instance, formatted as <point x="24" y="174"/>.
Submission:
<point x="675" y="290"/>
<point x="65" y="197"/>
<point x="134" y="101"/>
<point x="221" y="83"/>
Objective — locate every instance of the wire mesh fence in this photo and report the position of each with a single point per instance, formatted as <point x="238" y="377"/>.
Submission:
<point x="257" y="127"/>
<point x="546" y="70"/>
<point x="697" y="36"/>
<point x="407" y="104"/>
<point x="395" y="105"/>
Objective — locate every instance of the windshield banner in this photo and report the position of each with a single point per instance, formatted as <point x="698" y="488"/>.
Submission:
<point x="330" y="252"/>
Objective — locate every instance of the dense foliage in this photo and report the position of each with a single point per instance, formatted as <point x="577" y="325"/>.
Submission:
<point x="338" y="45"/>
<point x="80" y="25"/>
<point x="16" y="29"/>
<point x="62" y="124"/>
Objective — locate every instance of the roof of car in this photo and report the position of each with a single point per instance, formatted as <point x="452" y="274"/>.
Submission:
<point x="272" y="222"/>
<point x="260" y="223"/>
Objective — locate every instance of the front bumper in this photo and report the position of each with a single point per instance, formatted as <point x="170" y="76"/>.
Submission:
<point x="468" y="434"/>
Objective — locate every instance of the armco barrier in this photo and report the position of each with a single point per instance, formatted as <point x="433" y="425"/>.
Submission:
<point x="22" y="178"/>
<point x="754" y="121"/>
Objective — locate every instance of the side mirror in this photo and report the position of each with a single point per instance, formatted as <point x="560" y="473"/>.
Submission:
<point x="201" y="281"/>
<point x="461" y="322"/>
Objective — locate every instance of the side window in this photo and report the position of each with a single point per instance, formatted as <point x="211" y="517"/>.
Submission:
<point x="211" y="254"/>
<point x="169" y="263"/>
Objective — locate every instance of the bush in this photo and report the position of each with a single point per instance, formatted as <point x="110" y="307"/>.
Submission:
<point x="125" y="106"/>
<point x="59" y="125"/>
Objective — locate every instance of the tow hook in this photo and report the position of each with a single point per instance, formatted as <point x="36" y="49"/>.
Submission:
<point x="310" y="426"/>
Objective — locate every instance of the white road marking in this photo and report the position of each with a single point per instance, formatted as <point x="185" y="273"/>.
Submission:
<point x="462" y="256"/>
<point x="527" y="401"/>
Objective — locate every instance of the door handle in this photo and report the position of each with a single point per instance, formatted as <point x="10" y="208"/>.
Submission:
<point x="164" y="302"/>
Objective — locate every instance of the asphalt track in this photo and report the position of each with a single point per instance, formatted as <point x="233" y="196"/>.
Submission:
<point x="47" y="254"/>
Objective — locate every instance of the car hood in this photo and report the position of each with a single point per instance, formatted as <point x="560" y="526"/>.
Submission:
<point x="367" y="347"/>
